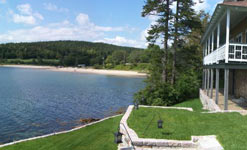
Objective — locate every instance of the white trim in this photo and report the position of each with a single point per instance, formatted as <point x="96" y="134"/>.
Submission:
<point x="212" y="48"/>
<point x="218" y="35"/>
<point x="228" y="21"/>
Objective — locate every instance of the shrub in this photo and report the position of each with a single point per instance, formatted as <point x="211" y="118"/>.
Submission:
<point x="187" y="85"/>
<point x="97" y="66"/>
<point x="162" y="94"/>
<point x="165" y="94"/>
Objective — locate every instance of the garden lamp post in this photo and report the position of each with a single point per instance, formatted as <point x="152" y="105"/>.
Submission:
<point x="160" y="124"/>
<point x="136" y="105"/>
<point x="118" y="137"/>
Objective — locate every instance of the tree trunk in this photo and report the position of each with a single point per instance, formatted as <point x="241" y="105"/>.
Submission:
<point x="175" y="45"/>
<point x="164" y="59"/>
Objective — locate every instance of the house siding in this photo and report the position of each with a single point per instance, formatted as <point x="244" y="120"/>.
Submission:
<point x="241" y="83"/>
<point x="240" y="28"/>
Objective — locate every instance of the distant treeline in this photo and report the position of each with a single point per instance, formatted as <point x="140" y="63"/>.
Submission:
<point x="71" y="53"/>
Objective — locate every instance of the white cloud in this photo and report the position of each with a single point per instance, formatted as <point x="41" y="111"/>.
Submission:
<point x="82" y="29"/>
<point x="49" y="33"/>
<point x="26" y="15"/>
<point x="53" y="7"/>
<point x="38" y="16"/>
<point x="84" y="21"/>
<point x="23" y="19"/>
<point x="25" y="9"/>
<point x="119" y="40"/>
<point x="201" y="6"/>
<point x="198" y="6"/>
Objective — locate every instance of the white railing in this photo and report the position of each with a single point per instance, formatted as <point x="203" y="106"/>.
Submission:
<point x="237" y="53"/>
<point x="215" y="56"/>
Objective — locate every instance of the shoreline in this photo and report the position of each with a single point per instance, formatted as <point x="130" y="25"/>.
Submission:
<point x="57" y="133"/>
<point x="82" y="70"/>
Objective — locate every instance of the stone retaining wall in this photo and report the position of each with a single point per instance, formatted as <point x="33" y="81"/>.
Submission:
<point x="208" y="103"/>
<point x="132" y="141"/>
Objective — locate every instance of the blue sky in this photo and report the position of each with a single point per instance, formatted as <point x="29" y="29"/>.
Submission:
<point x="111" y="21"/>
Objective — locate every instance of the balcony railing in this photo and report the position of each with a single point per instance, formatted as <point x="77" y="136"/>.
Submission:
<point x="237" y="53"/>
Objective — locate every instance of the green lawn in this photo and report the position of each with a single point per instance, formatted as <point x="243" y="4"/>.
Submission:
<point x="230" y="128"/>
<point x="96" y="137"/>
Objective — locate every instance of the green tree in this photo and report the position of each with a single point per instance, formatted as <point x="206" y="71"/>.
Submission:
<point x="186" y="61"/>
<point x="161" y="29"/>
<point x="135" y="57"/>
<point x="184" y="22"/>
<point x="119" y="57"/>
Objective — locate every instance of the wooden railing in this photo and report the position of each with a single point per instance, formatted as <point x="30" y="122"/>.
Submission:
<point x="237" y="53"/>
<point x="215" y="56"/>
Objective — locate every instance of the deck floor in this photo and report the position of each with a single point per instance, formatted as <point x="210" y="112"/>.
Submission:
<point x="231" y="105"/>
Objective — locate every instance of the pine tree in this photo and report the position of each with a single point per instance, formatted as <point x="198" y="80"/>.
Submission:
<point x="184" y="21"/>
<point x="161" y="29"/>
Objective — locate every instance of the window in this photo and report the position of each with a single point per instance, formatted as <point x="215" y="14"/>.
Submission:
<point x="238" y="38"/>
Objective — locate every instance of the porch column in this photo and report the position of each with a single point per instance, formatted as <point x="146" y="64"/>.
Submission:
<point x="218" y="41"/>
<point x="217" y="86"/>
<point x="205" y="80"/>
<point x="212" y="46"/>
<point x="212" y="83"/>
<point x="233" y="82"/>
<point x="226" y="88"/>
<point x="208" y="77"/>
<point x="209" y="45"/>
<point x="228" y="17"/>
<point x="218" y="35"/>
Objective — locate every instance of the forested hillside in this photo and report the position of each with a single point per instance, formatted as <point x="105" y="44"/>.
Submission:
<point x="70" y="53"/>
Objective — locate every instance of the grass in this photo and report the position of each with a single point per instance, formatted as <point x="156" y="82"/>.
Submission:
<point x="96" y="137"/>
<point x="230" y="128"/>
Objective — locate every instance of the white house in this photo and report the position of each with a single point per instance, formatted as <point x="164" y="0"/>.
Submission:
<point x="225" y="52"/>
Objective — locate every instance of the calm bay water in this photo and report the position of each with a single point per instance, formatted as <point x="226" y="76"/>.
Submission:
<point x="37" y="102"/>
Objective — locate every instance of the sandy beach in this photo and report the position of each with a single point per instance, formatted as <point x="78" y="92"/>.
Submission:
<point x="83" y="70"/>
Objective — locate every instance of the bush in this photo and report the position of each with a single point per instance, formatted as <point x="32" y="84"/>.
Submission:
<point x="97" y="66"/>
<point x="122" y="67"/>
<point x="187" y="85"/>
<point x="165" y="94"/>
<point x="162" y="94"/>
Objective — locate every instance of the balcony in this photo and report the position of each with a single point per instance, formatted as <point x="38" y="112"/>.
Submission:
<point x="236" y="53"/>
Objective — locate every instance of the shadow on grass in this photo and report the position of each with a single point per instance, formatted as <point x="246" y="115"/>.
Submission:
<point x="166" y="133"/>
